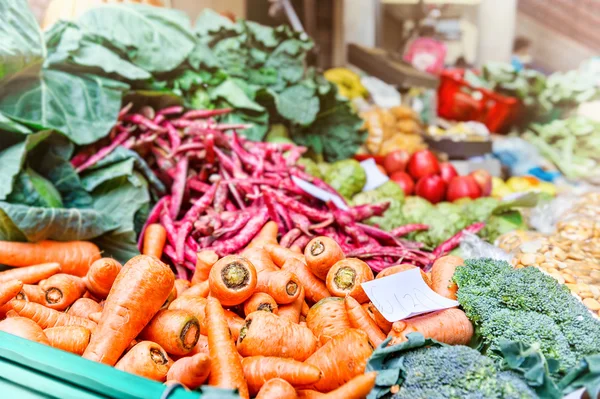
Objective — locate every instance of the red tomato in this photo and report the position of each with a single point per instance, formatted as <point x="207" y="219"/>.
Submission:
<point x="404" y="181"/>
<point x="432" y="188"/>
<point x="396" y="161"/>
<point x="462" y="187"/>
<point x="423" y="163"/>
<point x="447" y="172"/>
<point x="484" y="180"/>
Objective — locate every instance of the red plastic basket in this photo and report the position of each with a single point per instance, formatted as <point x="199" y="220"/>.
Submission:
<point x="459" y="101"/>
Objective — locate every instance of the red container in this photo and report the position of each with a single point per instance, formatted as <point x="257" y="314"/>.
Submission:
<point x="459" y="101"/>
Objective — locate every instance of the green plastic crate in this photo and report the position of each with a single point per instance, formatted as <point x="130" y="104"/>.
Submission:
<point x="32" y="370"/>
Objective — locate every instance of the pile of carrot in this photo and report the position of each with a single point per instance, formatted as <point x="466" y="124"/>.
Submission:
<point x="270" y="322"/>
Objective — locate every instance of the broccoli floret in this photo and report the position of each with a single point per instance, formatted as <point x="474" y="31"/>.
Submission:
<point x="583" y="333"/>
<point x="478" y="272"/>
<point x="387" y="192"/>
<point x="512" y="386"/>
<point x="347" y="177"/>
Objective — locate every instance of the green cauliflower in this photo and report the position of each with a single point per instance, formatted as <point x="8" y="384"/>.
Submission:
<point x="415" y="209"/>
<point x="347" y="177"/>
<point x="444" y="220"/>
<point x="387" y="192"/>
<point x="310" y="167"/>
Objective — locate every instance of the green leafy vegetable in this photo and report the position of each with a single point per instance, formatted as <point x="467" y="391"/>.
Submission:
<point x="387" y="192"/>
<point x="346" y="177"/>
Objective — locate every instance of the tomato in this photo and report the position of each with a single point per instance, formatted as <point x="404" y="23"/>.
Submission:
<point x="484" y="180"/>
<point x="432" y="188"/>
<point x="447" y="172"/>
<point x="463" y="187"/>
<point x="423" y="163"/>
<point x="396" y="161"/>
<point x="404" y="181"/>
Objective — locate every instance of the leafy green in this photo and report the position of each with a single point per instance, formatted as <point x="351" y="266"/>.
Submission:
<point x="33" y="189"/>
<point x="387" y="192"/>
<point x="346" y="177"/>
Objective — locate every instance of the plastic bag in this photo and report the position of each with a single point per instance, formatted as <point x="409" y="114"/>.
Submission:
<point x="471" y="246"/>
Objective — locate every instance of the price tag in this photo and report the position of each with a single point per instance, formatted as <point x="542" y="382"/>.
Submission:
<point x="374" y="176"/>
<point x="319" y="193"/>
<point x="403" y="295"/>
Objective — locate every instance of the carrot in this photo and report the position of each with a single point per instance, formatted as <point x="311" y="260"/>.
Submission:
<point x="402" y="268"/>
<point x="9" y="290"/>
<point x="225" y="365"/>
<point x="204" y="262"/>
<point x="12" y="313"/>
<point x="277" y="388"/>
<point x="47" y="317"/>
<point x="83" y="307"/>
<point x="95" y="317"/>
<point x="309" y="394"/>
<point x="260" y="369"/>
<point x="357" y="388"/>
<point x="31" y="293"/>
<point x="101" y="276"/>
<point x="296" y="249"/>
<point x="267" y="235"/>
<point x="260" y="301"/>
<point x="191" y="371"/>
<point x="180" y="286"/>
<point x="30" y="274"/>
<point x="232" y="280"/>
<point x="260" y="259"/>
<point x="328" y="318"/>
<point x="194" y="305"/>
<point x="61" y="290"/>
<point x="381" y="321"/>
<point x="441" y="275"/>
<point x="292" y="311"/>
<point x="280" y="254"/>
<point x="280" y="284"/>
<point x="201" y="346"/>
<point x="235" y="324"/>
<point x="138" y="292"/>
<point x="155" y="237"/>
<point x="200" y="290"/>
<point x="314" y="289"/>
<point x="305" y="309"/>
<point x="266" y="334"/>
<point x="172" y="296"/>
<point x="88" y="295"/>
<point x="75" y="257"/>
<point x="24" y="328"/>
<point x="346" y="276"/>
<point x="72" y="339"/>
<point x="321" y="253"/>
<point x="146" y="359"/>
<point x="360" y="319"/>
<point x="450" y="326"/>
<point x="341" y="359"/>
<point x="176" y="331"/>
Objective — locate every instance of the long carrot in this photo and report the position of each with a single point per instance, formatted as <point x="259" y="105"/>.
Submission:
<point x="146" y="359"/>
<point x="101" y="276"/>
<point x="235" y="324"/>
<point x="9" y="290"/>
<point x="30" y="274"/>
<point x="259" y="369"/>
<point x="47" y="317"/>
<point x="305" y="309"/>
<point x="280" y="284"/>
<point x="155" y="237"/>
<point x="260" y="301"/>
<point x="328" y="318"/>
<point x="441" y="275"/>
<point x="204" y="262"/>
<point x="346" y="276"/>
<point x="176" y="331"/>
<point x="24" y="328"/>
<point x="267" y="235"/>
<point x="225" y="365"/>
<point x="277" y="388"/>
<point x="61" y="290"/>
<point x="194" y="305"/>
<point x="292" y="311"/>
<point x="200" y="290"/>
<point x="309" y="394"/>
<point x="265" y="334"/>
<point x="83" y="307"/>
<point x="314" y="289"/>
<point x="450" y="326"/>
<point x="321" y="253"/>
<point x="280" y="254"/>
<point x="172" y="296"/>
<point x="360" y="319"/>
<point x="72" y="339"/>
<point x="296" y="249"/>
<point x="381" y="321"/>
<point x="201" y="346"/>
<point x="357" y="388"/>
<point x="31" y="293"/>
<point x="75" y="257"/>
<point x="402" y="268"/>
<point x="232" y="280"/>
<point x="137" y="294"/>
<point x="191" y="371"/>
<point x="95" y="317"/>
<point x="180" y="286"/>
<point x="341" y="359"/>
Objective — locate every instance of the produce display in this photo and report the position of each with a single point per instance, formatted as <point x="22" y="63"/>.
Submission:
<point x="521" y="184"/>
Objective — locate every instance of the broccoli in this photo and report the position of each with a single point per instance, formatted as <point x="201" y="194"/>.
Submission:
<point x="347" y="177"/>
<point x="389" y="191"/>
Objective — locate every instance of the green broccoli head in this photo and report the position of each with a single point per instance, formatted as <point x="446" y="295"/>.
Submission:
<point x="477" y="272"/>
<point x="347" y="177"/>
<point x="387" y="192"/>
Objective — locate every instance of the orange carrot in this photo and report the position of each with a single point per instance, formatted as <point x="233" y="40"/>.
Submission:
<point x="360" y="319"/>
<point x="292" y="311"/>
<point x="357" y="388"/>
<point x="180" y="286"/>
<point x="101" y="276"/>
<point x="24" y="328"/>
<point x="200" y="290"/>
<point x="402" y="268"/>
<point x="194" y="305"/>
<point x="95" y="317"/>
<point x="61" y="290"/>
<point x="9" y="290"/>
<point x="225" y="365"/>
<point x="266" y="235"/>
<point x="260" y="369"/>
<point x="172" y="296"/>
<point x="441" y="275"/>
<point x="30" y="274"/>
<point x="328" y="318"/>
<point x="191" y="371"/>
<point x="176" y="331"/>
<point x="83" y="307"/>
<point x="260" y="259"/>
<point x="235" y="324"/>
<point x="280" y="254"/>
<point x="72" y="339"/>
<point x="47" y="317"/>
<point x="201" y="346"/>
<point x="277" y="388"/>
<point x="31" y="293"/>
<point x="381" y="321"/>
<point x="133" y="343"/>
<point x="268" y="335"/>
<point x="88" y="295"/>
<point x="75" y="257"/>
<point x="346" y="276"/>
<point x="309" y="394"/>
<point x="296" y="249"/>
<point x="305" y="309"/>
<point x="260" y="301"/>
<point x="280" y="284"/>
<point x="204" y="262"/>
<point x="12" y="313"/>
<point x="321" y="253"/>
<point x="146" y="359"/>
<point x="155" y="237"/>
<point x="232" y="280"/>
<point x="314" y="289"/>
<point x="138" y="292"/>
<point x="450" y="326"/>
<point x="341" y="359"/>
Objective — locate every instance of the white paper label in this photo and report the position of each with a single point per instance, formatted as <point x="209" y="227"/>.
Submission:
<point x="403" y="295"/>
<point x="374" y="176"/>
<point x="319" y="193"/>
